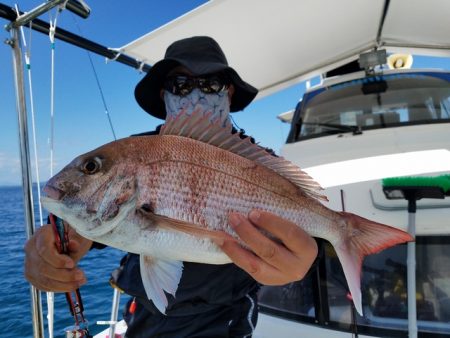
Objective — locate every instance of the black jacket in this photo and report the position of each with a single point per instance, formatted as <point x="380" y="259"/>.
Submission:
<point x="211" y="301"/>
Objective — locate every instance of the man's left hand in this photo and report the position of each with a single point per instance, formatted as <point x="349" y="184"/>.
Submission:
<point x="270" y="262"/>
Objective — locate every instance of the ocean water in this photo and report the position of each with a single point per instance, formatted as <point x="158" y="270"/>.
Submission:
<point x="15" y="304"/>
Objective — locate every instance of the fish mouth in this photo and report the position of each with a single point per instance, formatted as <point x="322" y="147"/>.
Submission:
<point x="53" y="192"/>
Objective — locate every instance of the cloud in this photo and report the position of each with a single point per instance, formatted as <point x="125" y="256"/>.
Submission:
<point x="8" y="162"/>
<point x="9" y="169"/>
<point x="11" y="172"/>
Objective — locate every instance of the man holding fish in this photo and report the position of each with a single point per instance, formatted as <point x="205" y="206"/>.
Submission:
<point x="202" y="297"/>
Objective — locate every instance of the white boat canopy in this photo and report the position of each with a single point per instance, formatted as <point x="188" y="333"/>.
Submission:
<point x="274" y="44"/>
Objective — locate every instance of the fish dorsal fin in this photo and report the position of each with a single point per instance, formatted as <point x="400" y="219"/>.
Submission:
<point x="199" y="127"/>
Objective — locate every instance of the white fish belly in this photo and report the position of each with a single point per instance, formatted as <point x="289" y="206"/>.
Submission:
<point x="164" y="244"/>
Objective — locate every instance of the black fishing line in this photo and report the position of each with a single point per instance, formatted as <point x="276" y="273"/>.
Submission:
<point x="98" y="84"/>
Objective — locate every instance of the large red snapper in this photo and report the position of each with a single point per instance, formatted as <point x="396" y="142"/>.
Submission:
<point x="166" y="196"/>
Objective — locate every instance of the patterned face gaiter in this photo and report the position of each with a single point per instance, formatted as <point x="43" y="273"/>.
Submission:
<point x="216" y="104"/>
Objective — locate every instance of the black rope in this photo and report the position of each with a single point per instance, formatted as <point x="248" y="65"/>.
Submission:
<point x="241" y="130"/>
<point x="382" y="19"/>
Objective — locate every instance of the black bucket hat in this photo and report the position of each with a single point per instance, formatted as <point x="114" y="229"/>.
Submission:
<point x="201" y="55"/>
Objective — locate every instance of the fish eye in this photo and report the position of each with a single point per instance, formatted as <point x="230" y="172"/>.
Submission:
<point x="91" y="166"/>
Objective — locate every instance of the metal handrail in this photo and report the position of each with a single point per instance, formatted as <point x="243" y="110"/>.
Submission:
<point x="24" y="19"/>
<point x="38" y="326"/>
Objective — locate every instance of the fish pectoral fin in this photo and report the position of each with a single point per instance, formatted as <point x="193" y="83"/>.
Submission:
<point x="189" y="228"/>
<point x="158" y="276"/>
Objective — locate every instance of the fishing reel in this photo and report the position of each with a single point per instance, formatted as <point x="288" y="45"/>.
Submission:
<point x="74" y="300"/>
<point x="77" y="331"/>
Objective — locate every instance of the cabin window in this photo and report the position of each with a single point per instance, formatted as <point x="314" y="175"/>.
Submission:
<point x="370" y="103"/>
<point x="445" y="108"/>
<point x="294" y="298"/>
<point x="322" y="298"/>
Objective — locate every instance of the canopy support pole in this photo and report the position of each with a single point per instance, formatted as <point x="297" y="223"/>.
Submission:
<point x="36" y="303"/>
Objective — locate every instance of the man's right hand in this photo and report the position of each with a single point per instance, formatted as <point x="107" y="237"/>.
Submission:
<point x="49" y="270"/>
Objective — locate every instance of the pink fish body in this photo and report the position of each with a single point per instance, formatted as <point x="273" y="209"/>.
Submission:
<point x="166" y="196"/>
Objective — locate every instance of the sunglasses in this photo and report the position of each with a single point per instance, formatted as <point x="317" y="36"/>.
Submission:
<point x="182" y="85"/>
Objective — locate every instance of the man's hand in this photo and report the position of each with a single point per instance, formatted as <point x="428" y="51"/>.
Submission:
<point x="270" y="262"/>
<point x="49" y="270"/>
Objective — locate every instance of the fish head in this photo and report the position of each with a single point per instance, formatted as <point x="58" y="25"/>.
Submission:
<point x="94" y="192"/>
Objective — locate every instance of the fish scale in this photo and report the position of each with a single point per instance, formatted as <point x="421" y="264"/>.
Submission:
<point x="215" y="190"/>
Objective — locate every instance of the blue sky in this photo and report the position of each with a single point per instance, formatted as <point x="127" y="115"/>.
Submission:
<point x="80" y="121"/>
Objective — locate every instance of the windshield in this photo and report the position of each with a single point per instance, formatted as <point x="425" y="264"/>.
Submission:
<point x="376" y="102"/>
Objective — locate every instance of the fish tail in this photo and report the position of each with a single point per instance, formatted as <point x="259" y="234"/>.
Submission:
<point x="364" y="237"/>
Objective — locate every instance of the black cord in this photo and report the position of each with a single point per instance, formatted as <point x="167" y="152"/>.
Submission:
<point x="354" y="324"/>
<point x="241" y="130"/>
<point x="98" y="84"/>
